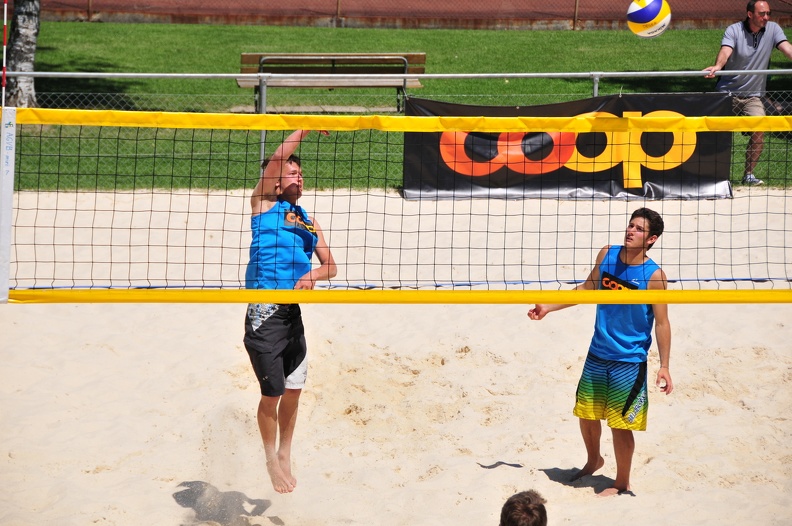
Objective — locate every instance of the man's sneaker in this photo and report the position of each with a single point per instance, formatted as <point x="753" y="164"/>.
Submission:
<point x="752" y="180"/>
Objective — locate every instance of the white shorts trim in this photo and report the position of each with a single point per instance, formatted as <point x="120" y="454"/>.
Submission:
<point x="296" y="380"/>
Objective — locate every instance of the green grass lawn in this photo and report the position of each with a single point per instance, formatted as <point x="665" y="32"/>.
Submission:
<point x="127" y="159"/>
<point x="175" y="48"/>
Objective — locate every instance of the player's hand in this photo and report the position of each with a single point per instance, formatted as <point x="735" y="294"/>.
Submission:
<point x="538" y="312"/>
<point x="711" y="72"/>
<point x="305" y="283"/>
<point x="664" y="380"/>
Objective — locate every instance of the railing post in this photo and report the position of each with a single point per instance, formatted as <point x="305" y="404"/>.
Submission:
<point x="262" y="109"/>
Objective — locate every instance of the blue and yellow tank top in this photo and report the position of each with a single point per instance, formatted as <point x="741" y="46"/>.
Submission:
<point x="284" y="239"/>
<point x="623" y="332"/>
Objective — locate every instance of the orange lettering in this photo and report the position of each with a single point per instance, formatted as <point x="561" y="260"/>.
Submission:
<point x="509" y="153"/>
<point x="621" y="148"/>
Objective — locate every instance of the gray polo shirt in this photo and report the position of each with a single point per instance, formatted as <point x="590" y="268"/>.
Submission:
<point x="750" y="51"/>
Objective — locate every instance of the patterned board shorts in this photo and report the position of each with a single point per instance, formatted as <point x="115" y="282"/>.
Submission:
<point x="613" y="391"/>
<point x="275" y="342"/>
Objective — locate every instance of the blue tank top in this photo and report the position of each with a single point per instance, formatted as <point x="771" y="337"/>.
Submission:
<point x="284" y="240"/>
<point x="623" y="332"/>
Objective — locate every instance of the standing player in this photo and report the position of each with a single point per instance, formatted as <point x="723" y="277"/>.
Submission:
<point x="613" y="384"/>
<point x="747" y="45"/>
<point x="284" y="239"/>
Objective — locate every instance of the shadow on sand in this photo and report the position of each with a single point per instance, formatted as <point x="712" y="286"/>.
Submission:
<point x="226" y="508"/>
<point x="598" y="483"/>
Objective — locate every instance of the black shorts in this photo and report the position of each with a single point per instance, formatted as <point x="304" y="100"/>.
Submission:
<point x="275" y="342"/>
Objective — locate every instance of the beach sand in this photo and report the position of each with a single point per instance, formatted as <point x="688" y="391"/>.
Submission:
<point x="130" y="414"/>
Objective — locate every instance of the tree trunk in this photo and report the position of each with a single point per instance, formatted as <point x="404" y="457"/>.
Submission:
<point x="21" y="53"/>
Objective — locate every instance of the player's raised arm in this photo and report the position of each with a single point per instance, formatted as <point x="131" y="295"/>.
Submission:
<point x="266" y="189"/>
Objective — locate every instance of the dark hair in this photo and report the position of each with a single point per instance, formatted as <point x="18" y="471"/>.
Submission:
<point x="292" y="159"/>
<point x="655" y="222"/>
<point x="752" y="5"/>
<point x="524" y="509"/>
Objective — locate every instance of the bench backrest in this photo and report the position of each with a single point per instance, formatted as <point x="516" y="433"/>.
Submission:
<point x="334" y="63"/>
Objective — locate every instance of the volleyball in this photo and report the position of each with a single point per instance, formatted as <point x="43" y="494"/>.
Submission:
<point x="648" y="18"/>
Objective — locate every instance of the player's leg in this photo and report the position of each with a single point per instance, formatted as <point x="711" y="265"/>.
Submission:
<point x="268" y="419"/>
<point x="295" y="369"/>
<point x="627" y="411"/>
<point x="591" y="431"/>
<point x="623" y="448"/>
<point x="590" y="409"/>
<point x="266" y="338"/>
<point x="287" y="421"/>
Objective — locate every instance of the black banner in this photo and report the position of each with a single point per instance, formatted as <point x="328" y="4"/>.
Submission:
<point x="571" y="165"/>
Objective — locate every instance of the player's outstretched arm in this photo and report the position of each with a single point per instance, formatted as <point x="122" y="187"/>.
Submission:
<point x="541" y="310"/>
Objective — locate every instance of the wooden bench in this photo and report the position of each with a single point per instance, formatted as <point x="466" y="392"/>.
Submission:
<point x="302" y="69"/>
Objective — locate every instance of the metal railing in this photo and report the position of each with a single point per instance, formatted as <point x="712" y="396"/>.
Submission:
<point x="595" y="76"/>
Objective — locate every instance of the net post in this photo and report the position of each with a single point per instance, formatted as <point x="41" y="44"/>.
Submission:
<point x="5" y="50"/>
<point x="8" y="142"/>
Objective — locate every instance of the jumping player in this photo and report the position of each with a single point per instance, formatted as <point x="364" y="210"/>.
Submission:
<point x="284" y="239"/>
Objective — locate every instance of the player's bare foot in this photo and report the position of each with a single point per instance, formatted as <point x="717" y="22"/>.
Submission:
<point x="611" y="492"/>
<point x="285" y="465"/>
<point x="280" y="481"/>
<point x="588" y="469"/>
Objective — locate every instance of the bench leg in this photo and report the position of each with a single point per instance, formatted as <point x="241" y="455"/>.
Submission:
<point x="400" y="96"/>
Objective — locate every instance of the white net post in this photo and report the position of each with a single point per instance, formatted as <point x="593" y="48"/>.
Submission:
<point x="6" y="198"/>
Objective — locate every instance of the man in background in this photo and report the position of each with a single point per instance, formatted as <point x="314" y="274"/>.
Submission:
<point x="747" y="45"/>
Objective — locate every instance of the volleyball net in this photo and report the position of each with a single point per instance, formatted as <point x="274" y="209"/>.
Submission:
<point x="114" y="206"/>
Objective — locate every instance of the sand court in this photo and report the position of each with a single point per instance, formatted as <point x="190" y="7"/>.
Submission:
<point x="124" y="414"/>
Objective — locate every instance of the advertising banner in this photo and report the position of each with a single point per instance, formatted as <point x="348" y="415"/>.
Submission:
<point x="568" y="164"/>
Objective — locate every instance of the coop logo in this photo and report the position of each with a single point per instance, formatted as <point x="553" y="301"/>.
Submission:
<point x="293" y="219"/>
<point x="611" y="282"/>
<point x="620" y="148"/>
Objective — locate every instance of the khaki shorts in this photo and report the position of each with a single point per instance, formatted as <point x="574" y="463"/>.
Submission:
<point x="752" y="106"/>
